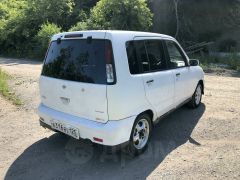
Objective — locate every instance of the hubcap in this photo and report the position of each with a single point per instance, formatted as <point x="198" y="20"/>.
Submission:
<point x="198" y="95"/>
<point x="141" y="134"/>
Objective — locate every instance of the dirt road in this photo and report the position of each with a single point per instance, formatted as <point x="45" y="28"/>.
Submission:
<point x="188" y="144"/>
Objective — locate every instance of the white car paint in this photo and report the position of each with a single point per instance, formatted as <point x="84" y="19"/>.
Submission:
<point x="109" y="111"/>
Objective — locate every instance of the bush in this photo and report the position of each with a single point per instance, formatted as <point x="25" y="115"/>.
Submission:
<point x="44" y="36"/>
<point x="119" y="15"/>
<point x="80" y="26"/>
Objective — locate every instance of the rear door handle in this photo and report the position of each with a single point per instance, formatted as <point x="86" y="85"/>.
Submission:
<point x="150" y="81"/>
<point x="178" y="74"/>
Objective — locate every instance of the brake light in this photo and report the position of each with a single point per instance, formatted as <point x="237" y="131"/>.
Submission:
<point x="109" y="62"/>
<point x="73" y="36"/>
<point x="97" y="139"/>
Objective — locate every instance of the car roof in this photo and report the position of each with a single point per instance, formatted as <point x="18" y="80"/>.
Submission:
<point x="113" y="33"/>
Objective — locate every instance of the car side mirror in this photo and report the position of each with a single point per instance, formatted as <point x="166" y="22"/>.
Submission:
<point x="194" y="62"/>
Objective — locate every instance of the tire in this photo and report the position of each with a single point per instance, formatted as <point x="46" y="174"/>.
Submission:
<point x="140" y="136"/>
<point x="197" y="97"/>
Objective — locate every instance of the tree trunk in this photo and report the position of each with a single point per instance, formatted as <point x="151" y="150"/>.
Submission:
<point x="177" y="17"/>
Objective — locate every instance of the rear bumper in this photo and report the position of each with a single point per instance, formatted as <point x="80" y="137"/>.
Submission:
<point x="113" y="132"/>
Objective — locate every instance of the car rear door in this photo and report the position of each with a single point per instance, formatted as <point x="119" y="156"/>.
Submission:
<point x="177" y="62"/>
<point x="74" y="78"/>
<point x="158" y="81"/>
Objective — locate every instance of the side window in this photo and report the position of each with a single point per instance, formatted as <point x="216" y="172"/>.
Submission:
<point x="155" y="55"/>
<point x="142" y="55"/>
<point x="132" y="58"/>
<point x="176" y="57"/>
<point x="145" y="56"/>
<point x="137" y="57"/>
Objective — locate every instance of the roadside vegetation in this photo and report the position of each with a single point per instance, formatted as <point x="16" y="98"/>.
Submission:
<point x="5" y="89"/>
<point x="232" y="61"/>
<point x="27" y="25"/>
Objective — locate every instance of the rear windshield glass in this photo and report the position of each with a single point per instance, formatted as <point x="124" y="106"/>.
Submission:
<point x="77" y="60"/>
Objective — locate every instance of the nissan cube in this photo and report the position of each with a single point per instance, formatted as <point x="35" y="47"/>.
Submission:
<point x="111" y="87"/>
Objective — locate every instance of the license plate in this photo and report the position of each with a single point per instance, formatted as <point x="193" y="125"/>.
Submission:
<point x="66" y="129"/>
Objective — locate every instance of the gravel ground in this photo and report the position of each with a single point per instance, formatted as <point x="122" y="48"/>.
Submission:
<point x="188" y="144"/>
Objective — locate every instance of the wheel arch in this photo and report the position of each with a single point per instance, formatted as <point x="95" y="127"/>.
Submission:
<point x="148" y="112"/>
<point x="202" y="83"/>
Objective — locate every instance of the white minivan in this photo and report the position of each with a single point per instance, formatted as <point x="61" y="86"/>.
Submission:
<point x="111" y="87"/>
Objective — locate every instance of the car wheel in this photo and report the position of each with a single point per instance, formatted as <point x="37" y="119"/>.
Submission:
<point x="140" y="135"/>
<point x="196" y="98"/>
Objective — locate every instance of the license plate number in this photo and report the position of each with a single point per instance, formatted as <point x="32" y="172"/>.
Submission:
<point x="66" y="129"/>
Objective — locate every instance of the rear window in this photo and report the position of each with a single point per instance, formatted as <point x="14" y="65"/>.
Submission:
<point x="77" y="60"/>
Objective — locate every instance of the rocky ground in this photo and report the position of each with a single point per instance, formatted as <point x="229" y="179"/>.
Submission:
<point x="188" y="144"/>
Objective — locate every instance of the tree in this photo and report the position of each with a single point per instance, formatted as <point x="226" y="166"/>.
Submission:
<point x="54" y="11"/>
<point x="177" y="17"/>
<point x="232" y="20"/>
<point x="11" y="14"/>
<point x="121" y="15"/>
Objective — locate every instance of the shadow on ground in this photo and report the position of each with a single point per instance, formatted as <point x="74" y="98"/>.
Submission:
<point x="59" y="157"/>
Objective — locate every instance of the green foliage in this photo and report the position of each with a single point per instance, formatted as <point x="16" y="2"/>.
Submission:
<point x="25" y="25"/>
<point x="122" y="15"/>
<point x="80" y="7"/>
<point x="44" y="35"/>
<point x="118" y="15"/>
<point x="12" y="12"/>
<point x="21" y="20"/>
<point x="54" y="11"/>
<point x="5" y="90"/>
<point x="80" y="26"/>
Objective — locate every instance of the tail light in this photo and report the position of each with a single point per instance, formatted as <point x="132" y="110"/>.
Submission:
<point x="109" y="62"/>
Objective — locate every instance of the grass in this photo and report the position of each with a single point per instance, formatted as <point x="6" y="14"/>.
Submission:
<point x="5" y="89"/>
